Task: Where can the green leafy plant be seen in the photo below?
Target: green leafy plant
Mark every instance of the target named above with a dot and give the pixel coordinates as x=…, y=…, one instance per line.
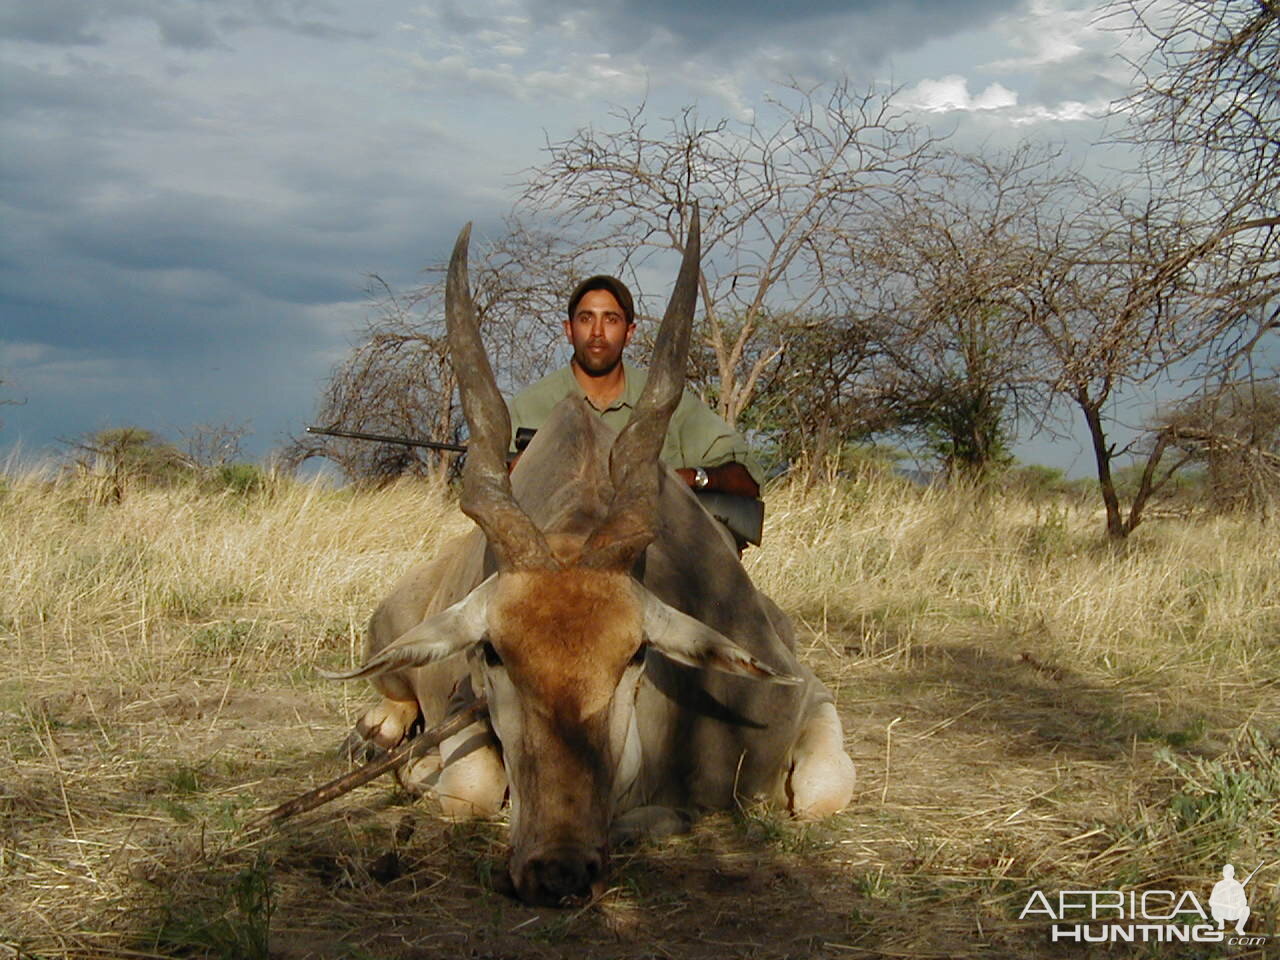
x=1231, y=799
x=234, y=926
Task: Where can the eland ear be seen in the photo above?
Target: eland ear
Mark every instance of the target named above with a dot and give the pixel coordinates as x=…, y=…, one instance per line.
x=687, y=640
x=450, y=631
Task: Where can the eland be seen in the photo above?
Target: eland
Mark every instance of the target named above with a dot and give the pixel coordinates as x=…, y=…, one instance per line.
x=633, y=673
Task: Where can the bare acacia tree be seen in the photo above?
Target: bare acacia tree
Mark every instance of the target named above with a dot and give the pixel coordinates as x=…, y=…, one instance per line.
x=1206, y=111
x=955, y=299
x=1127, y=300
x=1208, y=99
x=118, y=459
x=815, y=400
x=1188, y=277
x=398, y=379
x=782, y=199
x=1235, y=432
x=213, y=445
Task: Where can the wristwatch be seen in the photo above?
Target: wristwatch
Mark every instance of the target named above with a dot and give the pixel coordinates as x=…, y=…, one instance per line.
x=700, y=478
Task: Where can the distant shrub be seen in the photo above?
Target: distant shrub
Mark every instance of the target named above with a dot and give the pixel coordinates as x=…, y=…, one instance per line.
x=1188, y=487
x=108, y=464
x=241, y=479
x=862, y=462
x=1234, y=435
x=878, y=460
x=1035, y=481
x=118, y=458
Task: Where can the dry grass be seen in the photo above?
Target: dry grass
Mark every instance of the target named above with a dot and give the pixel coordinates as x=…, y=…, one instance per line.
x=1028, y=706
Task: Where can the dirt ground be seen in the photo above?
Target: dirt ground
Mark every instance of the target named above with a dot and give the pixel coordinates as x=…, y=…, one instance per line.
x=984, y=773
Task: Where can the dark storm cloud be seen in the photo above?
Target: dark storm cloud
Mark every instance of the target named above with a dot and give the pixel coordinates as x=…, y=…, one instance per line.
x=180, y=24
x=457, y=20
x=124, y=303
x=183, y=244
x=83, y=99
x=267, y=385
x=56, y=22
x=68, y=23
x=180, y=311
x=115, y=295
x=42, y=173
x=1089, y=75
x=158, y=269
x=868, y=30
x=224, y=237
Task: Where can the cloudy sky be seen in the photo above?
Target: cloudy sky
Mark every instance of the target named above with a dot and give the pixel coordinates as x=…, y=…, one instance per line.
x=195, y=191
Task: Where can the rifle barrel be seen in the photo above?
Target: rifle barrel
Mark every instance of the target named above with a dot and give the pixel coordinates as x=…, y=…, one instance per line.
x=384, y=438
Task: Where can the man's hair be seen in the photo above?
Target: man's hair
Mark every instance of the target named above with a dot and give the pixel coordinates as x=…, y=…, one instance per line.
x=604, y=282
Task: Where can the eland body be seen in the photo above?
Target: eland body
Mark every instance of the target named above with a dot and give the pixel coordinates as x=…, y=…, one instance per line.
x=632, y=670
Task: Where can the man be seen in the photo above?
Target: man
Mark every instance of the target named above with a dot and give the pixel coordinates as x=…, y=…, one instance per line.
x=706, y=452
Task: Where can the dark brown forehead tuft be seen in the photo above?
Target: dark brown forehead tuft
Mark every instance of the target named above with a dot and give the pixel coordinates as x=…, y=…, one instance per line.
x=567, y=634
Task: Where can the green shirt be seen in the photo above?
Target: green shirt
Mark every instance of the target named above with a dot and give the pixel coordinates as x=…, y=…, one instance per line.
x=696, y=437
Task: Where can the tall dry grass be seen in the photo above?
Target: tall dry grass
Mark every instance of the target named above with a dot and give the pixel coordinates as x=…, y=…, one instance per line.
x=132, y=585
x=1189, y=603
x=1029, y=706
x=180, y=579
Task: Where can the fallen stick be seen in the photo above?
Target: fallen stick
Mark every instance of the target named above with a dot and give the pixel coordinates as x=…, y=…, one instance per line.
x=398, y=757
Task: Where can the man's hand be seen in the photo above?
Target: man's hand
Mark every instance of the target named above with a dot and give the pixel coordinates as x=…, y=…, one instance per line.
x=729, y=477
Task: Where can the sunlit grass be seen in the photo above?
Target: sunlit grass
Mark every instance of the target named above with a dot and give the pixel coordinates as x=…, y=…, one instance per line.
x=1028, y=705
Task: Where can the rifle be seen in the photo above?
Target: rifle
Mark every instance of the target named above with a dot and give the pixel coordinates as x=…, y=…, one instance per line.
x=383, y=438
x=743, y=515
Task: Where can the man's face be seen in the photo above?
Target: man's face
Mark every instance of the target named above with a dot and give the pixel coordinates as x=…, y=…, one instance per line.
x=598, y=332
